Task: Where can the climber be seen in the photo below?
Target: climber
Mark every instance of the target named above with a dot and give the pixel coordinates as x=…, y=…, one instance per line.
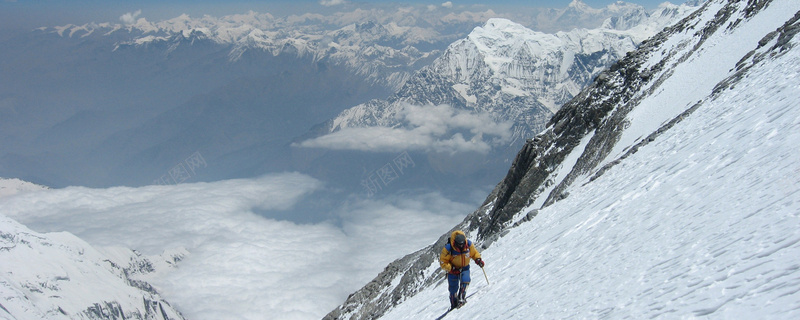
x=454, y=259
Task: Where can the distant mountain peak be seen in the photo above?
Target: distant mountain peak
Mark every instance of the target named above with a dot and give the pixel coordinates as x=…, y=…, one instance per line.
x=580, y=5
x=579, y=8
x=10, y=187
x=509, y=71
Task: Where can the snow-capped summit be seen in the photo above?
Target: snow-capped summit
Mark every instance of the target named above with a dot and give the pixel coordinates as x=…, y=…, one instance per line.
x=642, y=27
x=579, y=13
x=628, y=16
x=522, y=62
x=579, y=6
x=500, y=38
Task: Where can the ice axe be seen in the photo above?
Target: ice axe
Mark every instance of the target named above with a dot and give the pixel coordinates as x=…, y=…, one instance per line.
x=484, y=275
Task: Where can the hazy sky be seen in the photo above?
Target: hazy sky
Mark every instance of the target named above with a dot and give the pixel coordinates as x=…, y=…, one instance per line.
x=34, y=13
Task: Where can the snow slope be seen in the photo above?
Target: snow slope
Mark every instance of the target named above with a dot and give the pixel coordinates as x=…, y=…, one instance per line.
x=58, y=276
x=703, y=221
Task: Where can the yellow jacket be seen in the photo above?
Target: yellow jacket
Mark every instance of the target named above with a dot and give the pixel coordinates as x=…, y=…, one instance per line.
x=452, y=257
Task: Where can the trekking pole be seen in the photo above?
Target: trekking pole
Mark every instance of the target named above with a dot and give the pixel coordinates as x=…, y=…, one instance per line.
x=484, y=275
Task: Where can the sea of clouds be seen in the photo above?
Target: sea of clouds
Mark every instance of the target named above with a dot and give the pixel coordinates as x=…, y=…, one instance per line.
x=242, y=263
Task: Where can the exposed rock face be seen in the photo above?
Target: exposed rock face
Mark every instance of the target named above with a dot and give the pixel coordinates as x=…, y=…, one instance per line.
x=586, y=137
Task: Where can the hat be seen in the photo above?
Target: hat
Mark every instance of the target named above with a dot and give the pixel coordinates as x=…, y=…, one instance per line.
x=460, y=241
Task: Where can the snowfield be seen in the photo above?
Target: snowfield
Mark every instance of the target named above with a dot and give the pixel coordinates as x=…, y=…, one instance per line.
x=703, y=222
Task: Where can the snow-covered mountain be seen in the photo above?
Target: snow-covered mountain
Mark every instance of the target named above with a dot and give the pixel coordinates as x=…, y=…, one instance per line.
x=577, y=11
x=9, y=187
x=505, y=71
x=384, y=54
x=59, y=276
x=618, y=15
x=667, y=188
x=384, y=46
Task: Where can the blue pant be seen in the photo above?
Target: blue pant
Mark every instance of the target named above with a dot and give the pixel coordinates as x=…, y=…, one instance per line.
x=458, y=284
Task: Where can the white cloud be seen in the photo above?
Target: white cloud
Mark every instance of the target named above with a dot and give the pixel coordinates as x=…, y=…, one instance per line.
x=130, y=17
x=248, y=265
x=329, y=3
x=399, y=225
x=188, y=209
x=426, y=128
x=448, y=4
